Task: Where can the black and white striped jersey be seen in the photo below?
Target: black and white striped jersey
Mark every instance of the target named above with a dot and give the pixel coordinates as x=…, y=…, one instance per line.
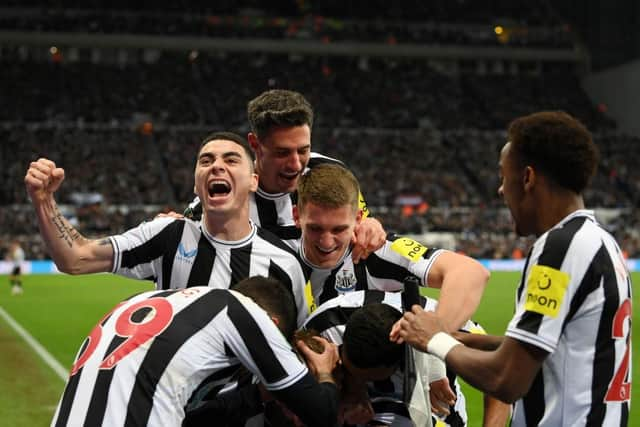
x=181, y=253
x=384, y=269
x=330, y=320
x=142, y=362
x=574, y=301
x=274, y=211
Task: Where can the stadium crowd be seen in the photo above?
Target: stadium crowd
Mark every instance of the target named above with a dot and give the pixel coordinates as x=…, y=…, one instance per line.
x=209, y=89
x=415, y=181
x=437, y=22
x=421, y=135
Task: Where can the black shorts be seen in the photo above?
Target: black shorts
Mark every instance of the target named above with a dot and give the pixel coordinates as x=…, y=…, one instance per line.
x=16, y=270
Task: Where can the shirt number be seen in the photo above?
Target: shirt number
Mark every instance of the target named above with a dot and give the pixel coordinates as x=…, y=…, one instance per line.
x=619, y=389
x=136, y=333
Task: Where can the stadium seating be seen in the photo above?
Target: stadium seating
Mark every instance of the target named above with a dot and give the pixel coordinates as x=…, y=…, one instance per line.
x=125, y=123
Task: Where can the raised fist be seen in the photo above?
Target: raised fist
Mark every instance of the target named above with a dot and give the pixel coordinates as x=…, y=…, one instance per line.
x=43, y=179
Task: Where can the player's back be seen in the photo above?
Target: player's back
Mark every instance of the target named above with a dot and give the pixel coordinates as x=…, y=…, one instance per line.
x=143, y=361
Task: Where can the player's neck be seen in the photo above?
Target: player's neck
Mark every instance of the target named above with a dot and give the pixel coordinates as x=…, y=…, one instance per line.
x=227, y=227
x=556, y=209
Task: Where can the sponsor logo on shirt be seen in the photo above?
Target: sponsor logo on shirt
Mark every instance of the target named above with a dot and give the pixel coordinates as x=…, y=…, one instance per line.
x=408, y=248
x=546, y=288
x=186, y=255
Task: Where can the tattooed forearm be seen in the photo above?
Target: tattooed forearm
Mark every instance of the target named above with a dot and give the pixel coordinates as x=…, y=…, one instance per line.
x=65, y=231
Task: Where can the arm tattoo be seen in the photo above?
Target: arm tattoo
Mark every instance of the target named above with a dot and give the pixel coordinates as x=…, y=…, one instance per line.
x=65, y=231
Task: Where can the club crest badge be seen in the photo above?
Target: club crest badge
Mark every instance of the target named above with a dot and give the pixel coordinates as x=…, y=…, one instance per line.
x=345, y=281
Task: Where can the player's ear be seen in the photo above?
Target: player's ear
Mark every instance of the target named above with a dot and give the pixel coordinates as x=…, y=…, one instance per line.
x=254, y=183
x=359, y=216
x=528, y=178
x=254, y=143
x=296, y=215
x=275, y=319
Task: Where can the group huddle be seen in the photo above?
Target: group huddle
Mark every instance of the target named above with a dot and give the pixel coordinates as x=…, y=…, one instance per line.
x=280, y=301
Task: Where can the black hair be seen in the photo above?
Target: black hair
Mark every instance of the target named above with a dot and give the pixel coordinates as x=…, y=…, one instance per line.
x=274, y=298
x=228, y=136
x=278, y=107
x=557, y=145
x=366, y=337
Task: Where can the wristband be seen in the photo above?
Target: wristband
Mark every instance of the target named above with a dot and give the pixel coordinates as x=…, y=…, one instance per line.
x=441, y=344
x=436, y=368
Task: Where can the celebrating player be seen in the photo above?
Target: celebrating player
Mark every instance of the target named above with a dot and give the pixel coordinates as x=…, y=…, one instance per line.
x=281, y=122
x=359, y=323
x=218, y=251
x=565, y=359
x=327, y=213
x=143, y=361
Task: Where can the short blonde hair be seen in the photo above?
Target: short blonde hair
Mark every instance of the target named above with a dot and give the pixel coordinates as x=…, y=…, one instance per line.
x=328, y=185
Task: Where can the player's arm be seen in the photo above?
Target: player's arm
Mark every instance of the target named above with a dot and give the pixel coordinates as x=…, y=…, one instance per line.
x=461, y=281
x=235, y=407
x=314, y=400
x=478, y=341
x=505, y=373
x=496, y=412
x=72, y=252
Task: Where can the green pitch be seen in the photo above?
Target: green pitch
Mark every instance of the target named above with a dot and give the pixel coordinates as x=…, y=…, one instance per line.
x=59, y=311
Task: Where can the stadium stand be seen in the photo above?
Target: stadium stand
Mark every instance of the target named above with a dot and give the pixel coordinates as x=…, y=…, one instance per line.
x=422, y=134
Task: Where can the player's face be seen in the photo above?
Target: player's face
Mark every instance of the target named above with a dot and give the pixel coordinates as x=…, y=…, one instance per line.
x=281, y=157
x=223, y=177
x=326, y=232
x=512, y=190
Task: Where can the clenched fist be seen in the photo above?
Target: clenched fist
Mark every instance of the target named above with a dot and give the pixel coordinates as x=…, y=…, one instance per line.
x=43, y=179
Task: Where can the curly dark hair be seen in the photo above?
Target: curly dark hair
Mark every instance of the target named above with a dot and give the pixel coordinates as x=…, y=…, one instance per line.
x=366, y=337
x=557, y=145
x=278, y=107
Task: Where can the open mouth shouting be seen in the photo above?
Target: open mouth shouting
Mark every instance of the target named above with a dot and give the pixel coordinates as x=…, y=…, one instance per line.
x=219, y=188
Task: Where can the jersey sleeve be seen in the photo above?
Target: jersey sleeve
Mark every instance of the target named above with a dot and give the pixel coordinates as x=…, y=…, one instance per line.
x=410, y=255
x=260, y=346
x=548, y=289
x=135, y=253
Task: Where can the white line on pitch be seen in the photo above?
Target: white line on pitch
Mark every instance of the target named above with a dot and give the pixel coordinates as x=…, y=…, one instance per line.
x=36, y=346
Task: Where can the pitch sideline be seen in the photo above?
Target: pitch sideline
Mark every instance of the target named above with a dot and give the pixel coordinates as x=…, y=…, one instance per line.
x=62, y=373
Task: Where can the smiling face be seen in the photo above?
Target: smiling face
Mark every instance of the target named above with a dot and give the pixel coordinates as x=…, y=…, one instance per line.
x=281, y=157
x=224, y=177
x=326, y=232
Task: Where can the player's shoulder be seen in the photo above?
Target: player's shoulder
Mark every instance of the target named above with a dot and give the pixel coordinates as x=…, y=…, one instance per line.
x=578, y=236
x=272, y=240
x=316, y=159
x=405, y=247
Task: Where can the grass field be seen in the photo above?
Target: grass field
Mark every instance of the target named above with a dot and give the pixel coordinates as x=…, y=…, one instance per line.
x=59, y=311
